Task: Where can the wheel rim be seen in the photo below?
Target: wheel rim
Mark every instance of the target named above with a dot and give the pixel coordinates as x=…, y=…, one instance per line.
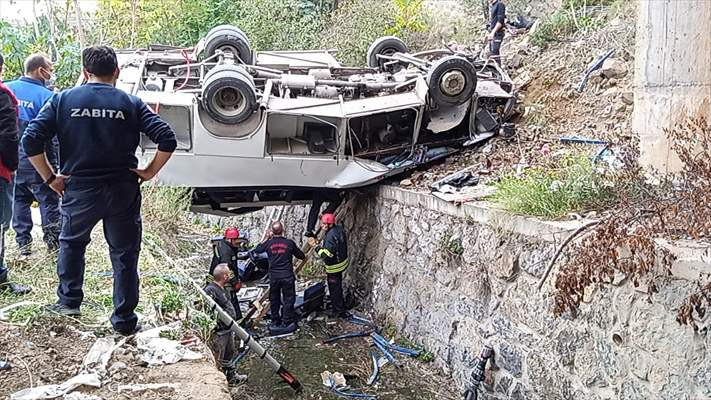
x=453, y=82
x=228, y=101
x=231, y=49
x=386, y=52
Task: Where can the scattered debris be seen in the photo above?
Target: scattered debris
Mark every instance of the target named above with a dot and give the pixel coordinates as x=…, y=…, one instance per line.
x=54, y=391
x=4, y=365
x=80, y=396
x=582, y=140
x=157, y=350
x=457, y=180
x=330, y=379
x=139, y=387
x=402, y=350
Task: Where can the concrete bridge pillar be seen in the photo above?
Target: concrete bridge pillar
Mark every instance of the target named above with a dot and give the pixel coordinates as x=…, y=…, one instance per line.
x=672, y=73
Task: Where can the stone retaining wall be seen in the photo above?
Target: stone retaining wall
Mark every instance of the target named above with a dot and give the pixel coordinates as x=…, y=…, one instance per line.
x=409, y=267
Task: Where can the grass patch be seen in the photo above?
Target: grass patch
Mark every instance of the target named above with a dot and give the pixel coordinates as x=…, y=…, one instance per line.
x=452, y=243
x=573, y=17
x=574, y=184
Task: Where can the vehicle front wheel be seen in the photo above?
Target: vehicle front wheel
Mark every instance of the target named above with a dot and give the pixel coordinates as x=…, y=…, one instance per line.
x=229, y=95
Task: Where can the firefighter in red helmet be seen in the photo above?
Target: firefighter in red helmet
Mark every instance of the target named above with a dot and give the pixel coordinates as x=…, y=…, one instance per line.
x=225, y=250
x=334, y=252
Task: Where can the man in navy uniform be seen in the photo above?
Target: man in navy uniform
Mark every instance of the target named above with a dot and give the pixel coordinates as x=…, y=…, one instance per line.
x=8, y=165
x=32, y=94
x=98, y=127
x=497, y=29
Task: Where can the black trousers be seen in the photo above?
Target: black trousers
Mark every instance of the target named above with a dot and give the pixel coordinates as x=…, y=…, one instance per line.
x=118, y=205
x=496, y=48
x=335, y=290
x=334, y=200
x=282, y=296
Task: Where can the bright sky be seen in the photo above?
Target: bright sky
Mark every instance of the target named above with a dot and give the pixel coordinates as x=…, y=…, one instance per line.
x=19, y=10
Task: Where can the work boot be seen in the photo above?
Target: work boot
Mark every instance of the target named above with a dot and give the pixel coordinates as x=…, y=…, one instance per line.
x=345, y=315
x=233, y=378
x=52, y=245
x=14, y=288
x=61, y=309
x=129, y=332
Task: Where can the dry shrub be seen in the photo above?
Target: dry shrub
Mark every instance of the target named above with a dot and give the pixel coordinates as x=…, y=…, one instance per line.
x=624, y=243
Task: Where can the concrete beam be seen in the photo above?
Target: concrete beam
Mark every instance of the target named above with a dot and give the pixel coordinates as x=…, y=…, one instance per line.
x=672, y=73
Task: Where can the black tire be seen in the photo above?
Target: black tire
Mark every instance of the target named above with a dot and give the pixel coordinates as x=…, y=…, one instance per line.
x=228, y=38
x=386, y=45
x=451, y=80
x=228, y=94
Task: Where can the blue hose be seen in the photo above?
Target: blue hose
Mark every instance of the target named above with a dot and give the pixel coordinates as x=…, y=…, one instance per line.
x=385, y=352
x=376, y=369
x=394, y=347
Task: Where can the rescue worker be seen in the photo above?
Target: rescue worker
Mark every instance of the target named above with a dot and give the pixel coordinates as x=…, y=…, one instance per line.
x=334, y=252
x=496, y=29
x=226, y=251
x=98, y=127
x=32, y=94
x=332, y=197
x=222, y=341
x=8, y=165
x=282, y=281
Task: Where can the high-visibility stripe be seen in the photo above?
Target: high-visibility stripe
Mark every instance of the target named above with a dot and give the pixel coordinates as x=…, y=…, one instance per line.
x=332, y=269
x=324, y=251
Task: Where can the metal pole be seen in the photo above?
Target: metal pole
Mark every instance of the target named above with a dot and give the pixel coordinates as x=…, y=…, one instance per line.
x=249, y=341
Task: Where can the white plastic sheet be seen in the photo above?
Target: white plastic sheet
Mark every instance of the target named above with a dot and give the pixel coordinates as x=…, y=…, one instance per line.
x=156, y=350
x=54, y=391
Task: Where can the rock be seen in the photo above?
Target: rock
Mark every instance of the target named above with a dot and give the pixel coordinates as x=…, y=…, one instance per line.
x=117, y=367
x=610, y=92
x=507, y=267
x=521, y=393
x=628, y=97
x=510, y=359
x=631, y=390
x=613, y=68
x=621, y=108
x=502, y=386
x=516, y=61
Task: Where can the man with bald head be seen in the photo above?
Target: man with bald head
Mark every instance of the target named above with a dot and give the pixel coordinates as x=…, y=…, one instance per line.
x=282, y=281
x=223, y=340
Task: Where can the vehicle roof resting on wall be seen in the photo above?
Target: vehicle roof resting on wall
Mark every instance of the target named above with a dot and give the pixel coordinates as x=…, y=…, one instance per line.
x=273, y=127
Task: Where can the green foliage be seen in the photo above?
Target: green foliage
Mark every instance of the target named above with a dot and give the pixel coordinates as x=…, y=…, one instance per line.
x=352, y=27
x=452, y=243
x=408, y=18
x=17, y=42
x=269, y=24
x=201, y=323
x=27, y=315
x=573, y=17
x=575, y=184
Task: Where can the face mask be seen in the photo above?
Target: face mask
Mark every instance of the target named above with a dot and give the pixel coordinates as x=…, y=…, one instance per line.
x=50, y=80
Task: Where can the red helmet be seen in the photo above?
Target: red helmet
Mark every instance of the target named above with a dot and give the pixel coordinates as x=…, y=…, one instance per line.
x=231, y=233
x=328, y=218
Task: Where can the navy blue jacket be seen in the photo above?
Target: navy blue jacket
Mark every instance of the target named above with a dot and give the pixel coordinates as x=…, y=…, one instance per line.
x=98, y=127
x=31, y=96
x=280, y=251
x=498, y=14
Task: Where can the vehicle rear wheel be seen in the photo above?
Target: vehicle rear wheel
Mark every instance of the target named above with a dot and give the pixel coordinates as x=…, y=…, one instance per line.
x=387, y=46
x=229, y=95
x=451, y=80
x=228, y=38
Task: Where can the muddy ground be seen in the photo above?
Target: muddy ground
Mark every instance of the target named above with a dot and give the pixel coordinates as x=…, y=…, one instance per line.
x=307, y=357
